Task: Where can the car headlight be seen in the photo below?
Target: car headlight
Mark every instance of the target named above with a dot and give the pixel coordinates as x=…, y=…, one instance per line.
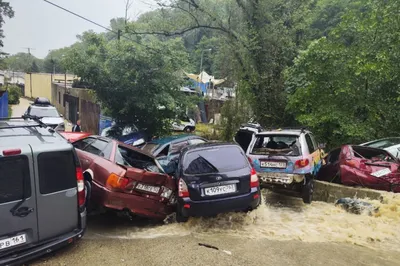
x=138, y=142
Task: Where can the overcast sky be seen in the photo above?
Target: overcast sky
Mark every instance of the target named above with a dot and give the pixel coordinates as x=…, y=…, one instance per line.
x=41, y=26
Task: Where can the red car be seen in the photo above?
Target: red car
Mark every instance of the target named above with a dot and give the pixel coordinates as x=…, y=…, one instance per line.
x=124, y=178
x=362, y=166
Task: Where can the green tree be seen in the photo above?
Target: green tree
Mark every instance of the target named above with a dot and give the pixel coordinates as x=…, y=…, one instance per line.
x=34, y=67
x=136, y=83
x=6, y=11
x=346, y=86
x=22, y=62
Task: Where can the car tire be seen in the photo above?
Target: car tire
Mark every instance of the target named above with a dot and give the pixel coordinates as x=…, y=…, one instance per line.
x=308, y=191
x=180, y=218
x=187, y=129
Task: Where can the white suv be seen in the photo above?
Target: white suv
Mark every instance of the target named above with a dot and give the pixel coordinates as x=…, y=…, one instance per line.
x=47, y=113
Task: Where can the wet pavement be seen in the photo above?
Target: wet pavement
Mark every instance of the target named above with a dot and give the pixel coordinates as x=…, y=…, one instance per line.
x=283, y=231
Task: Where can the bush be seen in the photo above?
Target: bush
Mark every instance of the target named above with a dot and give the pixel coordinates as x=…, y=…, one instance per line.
x=14, y=93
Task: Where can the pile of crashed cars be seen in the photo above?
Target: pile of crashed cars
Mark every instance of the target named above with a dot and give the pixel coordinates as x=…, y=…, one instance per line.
x=374, y=164
x=190, y=176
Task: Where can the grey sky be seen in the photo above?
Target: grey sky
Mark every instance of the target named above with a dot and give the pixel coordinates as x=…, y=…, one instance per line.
x=41, y=26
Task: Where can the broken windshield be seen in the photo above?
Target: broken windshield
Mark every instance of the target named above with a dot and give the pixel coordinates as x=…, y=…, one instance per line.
x=288, y=145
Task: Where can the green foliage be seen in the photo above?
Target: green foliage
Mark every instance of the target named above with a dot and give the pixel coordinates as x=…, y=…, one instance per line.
x=133, y=81
x=23, y=62
x=14, y=93
x=346, y=86
x=5, y=11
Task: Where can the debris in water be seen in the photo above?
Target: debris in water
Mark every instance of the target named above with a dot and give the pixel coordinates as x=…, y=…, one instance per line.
x=208, y=246
x=356, y=206
x=216, y=248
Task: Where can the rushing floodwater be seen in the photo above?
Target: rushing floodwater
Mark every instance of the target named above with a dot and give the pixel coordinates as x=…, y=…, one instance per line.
x=280, y=218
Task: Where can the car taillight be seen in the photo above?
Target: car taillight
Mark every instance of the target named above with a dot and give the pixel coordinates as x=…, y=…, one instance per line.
x=81, y=186
x=116, y=182
x=254, y=182
x=302, y=163
x=183, y=190
x=11, y=152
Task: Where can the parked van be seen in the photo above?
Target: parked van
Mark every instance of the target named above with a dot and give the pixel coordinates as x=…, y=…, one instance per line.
x=42, y=191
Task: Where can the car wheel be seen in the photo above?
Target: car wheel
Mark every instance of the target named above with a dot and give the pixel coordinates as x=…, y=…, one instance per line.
x=187, y=129
x=308, y=191
x=180, y=218
x=88, y=194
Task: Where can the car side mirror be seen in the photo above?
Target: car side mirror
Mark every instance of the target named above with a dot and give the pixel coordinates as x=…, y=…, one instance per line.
x=61, y=115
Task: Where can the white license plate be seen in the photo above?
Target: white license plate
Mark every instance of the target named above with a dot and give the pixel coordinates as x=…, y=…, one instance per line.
x=212, y=191
x=382, y=172
x=12, y=241
x=272, y=164
x=148, y=188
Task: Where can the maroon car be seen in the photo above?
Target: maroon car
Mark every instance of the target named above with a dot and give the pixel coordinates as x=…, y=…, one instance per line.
x=362, y=166
x=124, y=178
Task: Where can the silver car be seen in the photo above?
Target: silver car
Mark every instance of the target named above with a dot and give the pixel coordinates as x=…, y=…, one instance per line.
x=42, y=191
x=391, y=145
x=47, y=113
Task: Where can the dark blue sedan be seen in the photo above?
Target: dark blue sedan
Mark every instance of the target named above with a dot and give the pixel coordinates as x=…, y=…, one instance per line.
x=128, y=134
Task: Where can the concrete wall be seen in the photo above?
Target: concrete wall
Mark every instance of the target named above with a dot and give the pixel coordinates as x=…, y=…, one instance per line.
x=330, y=192
x=40, y=84
x=87, y=109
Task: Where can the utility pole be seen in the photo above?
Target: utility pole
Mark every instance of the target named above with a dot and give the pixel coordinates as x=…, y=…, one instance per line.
x=29, y=49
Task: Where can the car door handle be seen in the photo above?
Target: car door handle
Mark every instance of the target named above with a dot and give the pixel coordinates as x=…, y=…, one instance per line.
x=23, y=211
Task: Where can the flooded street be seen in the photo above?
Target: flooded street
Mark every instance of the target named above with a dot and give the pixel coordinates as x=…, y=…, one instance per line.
x=283, y=231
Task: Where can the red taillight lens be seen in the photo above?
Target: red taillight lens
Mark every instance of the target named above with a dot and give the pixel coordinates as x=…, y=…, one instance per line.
x=116, y=182
x=183, y=191
x=81, y=186
x=11, y=152
x=254, y=182
x=302, y=163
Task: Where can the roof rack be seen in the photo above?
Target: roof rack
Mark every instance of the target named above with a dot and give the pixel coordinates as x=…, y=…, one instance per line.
x=302, y=129
x=25, y=117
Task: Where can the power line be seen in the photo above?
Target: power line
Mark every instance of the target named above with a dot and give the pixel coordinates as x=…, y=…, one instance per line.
x=118, y=33
x=79, y=16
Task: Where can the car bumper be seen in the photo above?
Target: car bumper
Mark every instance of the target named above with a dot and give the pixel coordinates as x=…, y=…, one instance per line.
x=41, y=249
x=213, y=207
x=271, y=178
x=135, y=204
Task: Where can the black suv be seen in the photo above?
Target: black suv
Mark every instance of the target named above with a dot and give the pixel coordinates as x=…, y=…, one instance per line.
x=42, y=191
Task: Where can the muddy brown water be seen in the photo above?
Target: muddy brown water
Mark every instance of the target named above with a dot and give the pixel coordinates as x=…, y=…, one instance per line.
x=280, y=218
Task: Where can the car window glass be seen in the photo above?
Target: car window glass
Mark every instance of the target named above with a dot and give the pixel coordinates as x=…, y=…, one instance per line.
x=44, y=112
x=313, y=140
x=164, y=151
x=81, y=144
x=14, y=178
x=97, y=147
x=57, y=171
x=132, y=158
x=196, y=141
x=206, y=161
x=310, y=144
x=176, y=147
x=288, y=145
x=334, y=156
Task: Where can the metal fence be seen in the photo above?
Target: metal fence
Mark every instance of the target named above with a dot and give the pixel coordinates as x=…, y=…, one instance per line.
x=3, y=104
